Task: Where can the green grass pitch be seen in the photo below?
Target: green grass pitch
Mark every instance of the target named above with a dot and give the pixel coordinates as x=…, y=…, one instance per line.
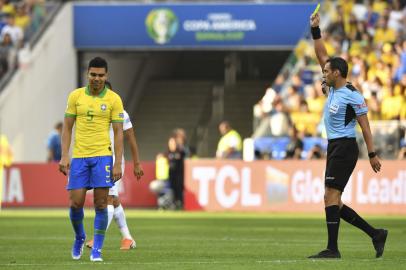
x=41, y=239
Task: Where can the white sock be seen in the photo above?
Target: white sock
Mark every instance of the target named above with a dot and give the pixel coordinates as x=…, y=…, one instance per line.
x=119, y=217
x=110, y=212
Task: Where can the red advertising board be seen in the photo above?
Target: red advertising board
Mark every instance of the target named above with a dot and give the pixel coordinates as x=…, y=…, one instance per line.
x=42, y=185
x=213, y=185
x=290, y=186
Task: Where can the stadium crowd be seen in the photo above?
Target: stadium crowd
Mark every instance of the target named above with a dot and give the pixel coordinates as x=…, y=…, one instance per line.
x=371, y=36
x=19, y=19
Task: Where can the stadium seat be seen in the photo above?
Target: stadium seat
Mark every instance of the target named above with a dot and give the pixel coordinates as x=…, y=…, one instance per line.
x=279, y=147
x=275, y=146
x=310, y=142
x=403, y=142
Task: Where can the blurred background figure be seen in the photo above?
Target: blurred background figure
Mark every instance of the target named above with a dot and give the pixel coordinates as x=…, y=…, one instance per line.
x=8, y=54
x=263, y=109
x=316, y=152
x=6, y=158
x=230, y=144
x=295, y=146
x=176, y=157
x=402, y=150
x=402, y=153
x=15, y=31
x=161, y=185
x=276, y=122
x=181, y=140
x=54, y=144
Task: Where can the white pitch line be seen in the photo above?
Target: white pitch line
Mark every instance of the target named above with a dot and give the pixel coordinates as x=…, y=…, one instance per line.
x=119, y=263
x=288, y=261
x=219, y=239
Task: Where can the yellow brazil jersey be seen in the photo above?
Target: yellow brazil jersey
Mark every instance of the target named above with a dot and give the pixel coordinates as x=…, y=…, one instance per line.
x=93, y=117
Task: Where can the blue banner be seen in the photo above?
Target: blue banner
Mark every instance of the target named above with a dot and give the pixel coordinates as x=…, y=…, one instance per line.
x=190, y=26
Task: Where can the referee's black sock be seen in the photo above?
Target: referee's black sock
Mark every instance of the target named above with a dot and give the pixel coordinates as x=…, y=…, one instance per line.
x=353, y=218
x=333, y=224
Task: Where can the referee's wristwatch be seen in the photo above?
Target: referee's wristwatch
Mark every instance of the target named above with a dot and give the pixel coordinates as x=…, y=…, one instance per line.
x=372, y=154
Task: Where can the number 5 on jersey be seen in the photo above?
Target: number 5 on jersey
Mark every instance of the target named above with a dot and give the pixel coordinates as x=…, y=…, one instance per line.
x=90, y=115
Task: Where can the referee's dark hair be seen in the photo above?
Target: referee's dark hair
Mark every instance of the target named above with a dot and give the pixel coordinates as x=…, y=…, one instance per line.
x=98, y=62
x=338, y=63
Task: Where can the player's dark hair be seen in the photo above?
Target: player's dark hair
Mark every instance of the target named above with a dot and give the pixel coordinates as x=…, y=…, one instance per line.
x=338, y=63
x=98, y=62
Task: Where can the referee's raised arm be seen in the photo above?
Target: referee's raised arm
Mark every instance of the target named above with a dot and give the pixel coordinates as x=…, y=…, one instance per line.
x=319, y=48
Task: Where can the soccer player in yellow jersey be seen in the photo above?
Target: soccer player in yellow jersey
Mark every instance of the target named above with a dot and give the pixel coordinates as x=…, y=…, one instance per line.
x=92, y=109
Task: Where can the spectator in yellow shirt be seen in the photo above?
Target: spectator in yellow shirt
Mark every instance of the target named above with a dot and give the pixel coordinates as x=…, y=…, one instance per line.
x=314, y=99
x=22, y=19
x=230, y=144
x=389, y=55
x=374, y=107
x=392, y=105
x=383, y=33
x=7, y=7
x=379, y=6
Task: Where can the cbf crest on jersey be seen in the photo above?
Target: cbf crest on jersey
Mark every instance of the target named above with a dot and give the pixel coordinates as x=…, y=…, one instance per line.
x=103, y=107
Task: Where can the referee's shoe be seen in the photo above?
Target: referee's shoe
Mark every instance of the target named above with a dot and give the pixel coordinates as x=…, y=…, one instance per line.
x=326, y=254
x=379, y=241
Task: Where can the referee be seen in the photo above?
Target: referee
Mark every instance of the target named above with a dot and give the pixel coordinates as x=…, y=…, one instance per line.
x=344, y=105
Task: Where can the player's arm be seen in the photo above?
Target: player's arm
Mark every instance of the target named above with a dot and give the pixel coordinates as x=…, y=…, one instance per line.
x=130, y=137
x=66, y=137
x=319, y=47
x=118, y=150
x=366, y=132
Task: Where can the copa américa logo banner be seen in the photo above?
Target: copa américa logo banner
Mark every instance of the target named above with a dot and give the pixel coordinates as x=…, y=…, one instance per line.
x=289, y=186
x=190, y=26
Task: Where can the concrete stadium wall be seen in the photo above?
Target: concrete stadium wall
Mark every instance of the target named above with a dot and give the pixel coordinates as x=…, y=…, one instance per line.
x=35, y=98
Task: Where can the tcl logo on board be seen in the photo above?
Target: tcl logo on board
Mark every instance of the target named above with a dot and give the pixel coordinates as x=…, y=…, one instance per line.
x=237, y=182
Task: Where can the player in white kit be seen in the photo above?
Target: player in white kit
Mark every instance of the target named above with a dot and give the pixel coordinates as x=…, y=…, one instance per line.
x=114, y=207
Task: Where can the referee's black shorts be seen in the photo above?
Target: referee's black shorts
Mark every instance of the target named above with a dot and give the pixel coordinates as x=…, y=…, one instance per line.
x=342, y=156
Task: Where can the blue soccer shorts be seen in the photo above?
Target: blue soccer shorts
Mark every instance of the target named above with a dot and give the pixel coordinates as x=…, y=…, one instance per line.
x=91, y=172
